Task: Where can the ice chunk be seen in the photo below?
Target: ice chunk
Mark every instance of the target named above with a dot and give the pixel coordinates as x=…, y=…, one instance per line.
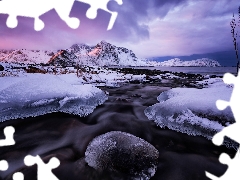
x=124, y=153
x=39, y=94
x=193, y=111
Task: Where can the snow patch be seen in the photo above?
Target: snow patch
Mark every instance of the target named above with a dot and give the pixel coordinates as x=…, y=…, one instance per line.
x=193, y=111
x=40, y=94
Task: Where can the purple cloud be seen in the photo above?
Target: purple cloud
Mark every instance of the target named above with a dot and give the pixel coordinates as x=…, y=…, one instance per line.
x=149, y=28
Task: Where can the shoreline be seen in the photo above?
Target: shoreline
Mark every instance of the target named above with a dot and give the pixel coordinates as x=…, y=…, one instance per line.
x=66, y=137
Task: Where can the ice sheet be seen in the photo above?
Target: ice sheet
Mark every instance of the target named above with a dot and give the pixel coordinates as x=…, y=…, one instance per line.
x=39, y=94
x=193, y=111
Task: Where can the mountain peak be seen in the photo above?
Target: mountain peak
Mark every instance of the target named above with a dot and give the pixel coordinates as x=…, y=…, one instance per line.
x=205, y=62
x=104, y=42
x=102, y=54
x=78, y=45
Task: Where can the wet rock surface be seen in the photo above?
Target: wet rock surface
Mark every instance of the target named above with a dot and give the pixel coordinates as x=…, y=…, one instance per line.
x=1, y=68
x=123, y=153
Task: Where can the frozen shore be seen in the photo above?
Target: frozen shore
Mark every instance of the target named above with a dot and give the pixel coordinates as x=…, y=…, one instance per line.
x=66, y=136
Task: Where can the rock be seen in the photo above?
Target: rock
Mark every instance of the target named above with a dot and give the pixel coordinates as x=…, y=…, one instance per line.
x=1, y=68
x=121, y=152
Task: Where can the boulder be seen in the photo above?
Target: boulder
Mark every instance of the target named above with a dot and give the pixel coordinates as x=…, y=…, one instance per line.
x=121, y=152
x=1, y=68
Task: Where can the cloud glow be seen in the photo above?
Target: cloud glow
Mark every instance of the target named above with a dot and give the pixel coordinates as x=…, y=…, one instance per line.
x=149, y=28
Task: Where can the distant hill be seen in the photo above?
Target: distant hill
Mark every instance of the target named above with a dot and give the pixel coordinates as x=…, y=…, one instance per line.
x=25, y=56
x=225, y=58
x=204, y=62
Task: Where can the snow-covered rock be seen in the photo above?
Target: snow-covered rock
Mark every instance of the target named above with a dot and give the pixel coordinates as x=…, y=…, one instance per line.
x=193, y=111
x=39, y=94
x=26, y=56
x=103, y=54
x=122, y=152
x=204, y=62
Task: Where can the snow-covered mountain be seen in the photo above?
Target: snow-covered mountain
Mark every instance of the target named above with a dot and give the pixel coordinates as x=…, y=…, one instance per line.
x=103, y=54
x=204, y=62
x=25, y=56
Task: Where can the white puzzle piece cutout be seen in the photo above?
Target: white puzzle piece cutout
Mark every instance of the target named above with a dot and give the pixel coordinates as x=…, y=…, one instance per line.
x=18, y=176
x=36, y=8
x=8, y=141
x=101, y=4
x=8, y=132
x=44, y=170
x=233, y=172
x=232, y=131
x=3, y=165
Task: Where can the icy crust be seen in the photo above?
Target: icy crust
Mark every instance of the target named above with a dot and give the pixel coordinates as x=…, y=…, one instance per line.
x=41, y=94
x=193, y=111
x=123, y=153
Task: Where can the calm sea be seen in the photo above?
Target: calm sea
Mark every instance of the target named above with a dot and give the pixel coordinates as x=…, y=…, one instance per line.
x=197, y=70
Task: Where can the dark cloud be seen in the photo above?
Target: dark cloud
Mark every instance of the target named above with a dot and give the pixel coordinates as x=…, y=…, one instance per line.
x=149, y=27
x=134, y=17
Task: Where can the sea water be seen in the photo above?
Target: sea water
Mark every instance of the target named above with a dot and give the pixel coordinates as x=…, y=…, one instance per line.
x=220, y=71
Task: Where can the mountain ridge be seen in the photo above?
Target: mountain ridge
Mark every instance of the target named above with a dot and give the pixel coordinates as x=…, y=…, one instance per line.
x=102, y=54
x=203, y=62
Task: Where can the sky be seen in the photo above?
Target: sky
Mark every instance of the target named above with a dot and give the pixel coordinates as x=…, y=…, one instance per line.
x=151, y=28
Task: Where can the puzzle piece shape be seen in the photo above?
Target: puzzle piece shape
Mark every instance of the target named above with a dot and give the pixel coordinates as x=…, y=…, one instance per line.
x=234, y=100
x=8, y=132
x=232, y=131
x=36, y=8
x=44, y=170
x=3, y=165
x=18, y=176
x=8, y=141
x=101, y=4
x=233, y=172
